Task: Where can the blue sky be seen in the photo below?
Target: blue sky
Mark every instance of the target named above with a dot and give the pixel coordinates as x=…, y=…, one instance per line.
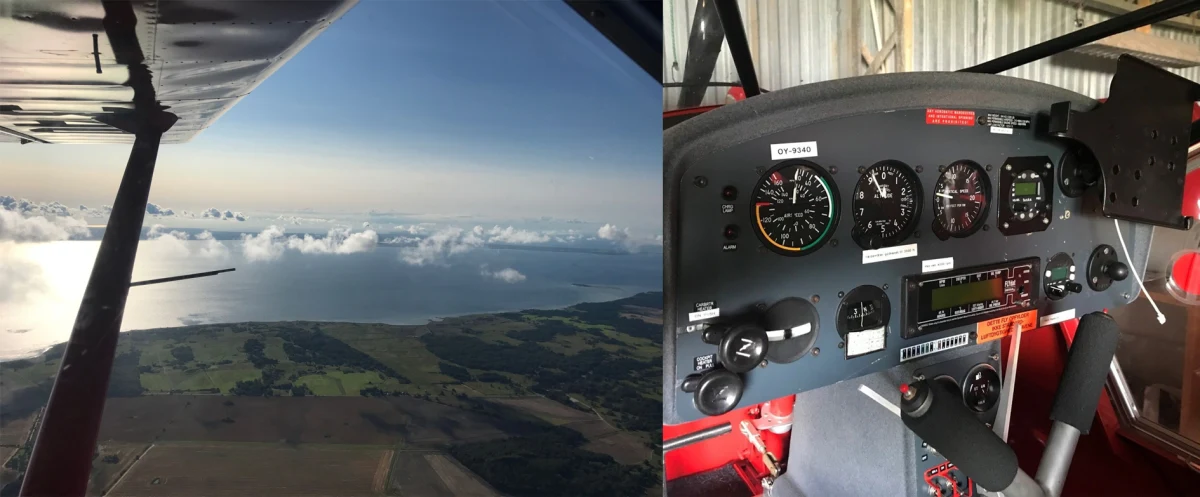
x=495, y=110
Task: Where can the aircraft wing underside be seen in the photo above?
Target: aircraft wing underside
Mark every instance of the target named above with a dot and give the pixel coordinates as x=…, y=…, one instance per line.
x=66, y=65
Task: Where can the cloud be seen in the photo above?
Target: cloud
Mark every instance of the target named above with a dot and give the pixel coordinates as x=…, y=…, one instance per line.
x=611, y=232
x=265, y=246
x=176, y=242
x=271, y=244
x=295, y=220
x=212, y=212
x=19, y=278
x=156, y=210
x=18, y=227
x=173, y=241
x=416, y=229
x=435, y=248
x=29, y=209
x=626, y=238
x=507, y=275
x=515, y=236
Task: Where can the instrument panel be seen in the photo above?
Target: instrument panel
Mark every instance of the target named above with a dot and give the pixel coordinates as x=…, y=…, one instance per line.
x=883, y=219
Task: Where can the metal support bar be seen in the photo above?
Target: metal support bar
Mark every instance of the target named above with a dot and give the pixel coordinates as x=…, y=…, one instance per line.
x=696, y=436
x=1056, y=460
x=181, y=277
x=739, y=48
x=1146, y=15
x=62, y=455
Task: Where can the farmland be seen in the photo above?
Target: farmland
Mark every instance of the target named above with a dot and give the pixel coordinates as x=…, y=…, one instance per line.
x=266, y=470
x=514, y=403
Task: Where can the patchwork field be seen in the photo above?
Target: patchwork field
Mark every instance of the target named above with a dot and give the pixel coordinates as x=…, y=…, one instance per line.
x=242, y=470
x=471, y=406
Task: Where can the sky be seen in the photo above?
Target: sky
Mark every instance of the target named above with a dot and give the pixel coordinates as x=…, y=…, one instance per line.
x=477, y=113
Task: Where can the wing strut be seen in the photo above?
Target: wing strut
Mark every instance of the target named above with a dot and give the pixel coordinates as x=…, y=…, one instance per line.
x=62, y=454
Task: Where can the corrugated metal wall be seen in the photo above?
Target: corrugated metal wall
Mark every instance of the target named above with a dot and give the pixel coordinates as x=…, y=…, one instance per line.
x=798, y=41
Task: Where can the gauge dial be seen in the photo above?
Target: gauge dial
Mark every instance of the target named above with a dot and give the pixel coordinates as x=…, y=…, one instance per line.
x=886, y=205
x=961, y=199
x=795, y=208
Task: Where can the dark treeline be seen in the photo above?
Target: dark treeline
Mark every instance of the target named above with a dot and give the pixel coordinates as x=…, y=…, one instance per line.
x=316, y=348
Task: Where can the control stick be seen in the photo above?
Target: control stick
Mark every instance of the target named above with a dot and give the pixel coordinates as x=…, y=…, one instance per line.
x=939, y=417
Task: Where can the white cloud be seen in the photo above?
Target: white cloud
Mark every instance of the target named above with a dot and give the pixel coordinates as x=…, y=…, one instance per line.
x=435, y=248
x=271, y=244
x=626, y=238
x=265, y=246
x=515, y=236
x=611, y=232
x=174, y=242
x=157, y=210
x=18, y=227
x=19, y=278
x=296, y=220
x=177, y=243
x=239, y=216
x=507, y=275
x=337, y=241
x=212, y=212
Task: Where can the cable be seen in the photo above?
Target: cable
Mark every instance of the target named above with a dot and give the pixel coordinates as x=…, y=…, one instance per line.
x=1125, y=250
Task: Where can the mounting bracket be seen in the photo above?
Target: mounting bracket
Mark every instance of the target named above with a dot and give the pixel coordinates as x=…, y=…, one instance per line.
x=1139, y=138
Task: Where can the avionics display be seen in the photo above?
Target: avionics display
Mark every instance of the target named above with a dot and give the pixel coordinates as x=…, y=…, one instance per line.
x=1025, y=188
x=958, y=295
x=1059, y=273
x=942, y=301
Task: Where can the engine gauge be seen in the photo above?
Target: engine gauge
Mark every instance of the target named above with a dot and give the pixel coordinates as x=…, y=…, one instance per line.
x=795, y=208
x=886, y=205
x=961, y=199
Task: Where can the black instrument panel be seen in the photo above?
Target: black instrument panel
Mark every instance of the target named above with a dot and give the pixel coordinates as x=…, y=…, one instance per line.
x=909, y=192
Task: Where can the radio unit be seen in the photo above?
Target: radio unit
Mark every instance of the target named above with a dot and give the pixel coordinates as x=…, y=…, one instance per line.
x=941, y=301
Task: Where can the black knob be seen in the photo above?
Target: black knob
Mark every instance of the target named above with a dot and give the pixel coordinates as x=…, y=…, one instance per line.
x=742, y=348
x=1118, y=271
x=691, y=383
x=1073, y=287
x=718, y=392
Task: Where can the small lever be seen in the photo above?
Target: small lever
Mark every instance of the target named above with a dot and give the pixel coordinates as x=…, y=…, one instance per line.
x=768, y=458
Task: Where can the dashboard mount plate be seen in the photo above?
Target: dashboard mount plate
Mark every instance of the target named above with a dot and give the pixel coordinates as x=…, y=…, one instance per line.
x=1140, y=139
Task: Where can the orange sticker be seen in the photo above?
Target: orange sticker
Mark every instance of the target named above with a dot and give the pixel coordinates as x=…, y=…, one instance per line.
x=995, y=329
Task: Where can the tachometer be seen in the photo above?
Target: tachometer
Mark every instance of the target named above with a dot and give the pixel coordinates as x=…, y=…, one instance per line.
x=886, y=205
x=961, y=199
x=795, y=208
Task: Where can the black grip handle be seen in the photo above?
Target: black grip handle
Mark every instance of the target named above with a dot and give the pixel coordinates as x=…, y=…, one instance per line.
x=936, y=413
x=1086, y=371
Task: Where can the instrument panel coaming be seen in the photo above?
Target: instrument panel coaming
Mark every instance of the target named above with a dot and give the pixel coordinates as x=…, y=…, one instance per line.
x=741, y=281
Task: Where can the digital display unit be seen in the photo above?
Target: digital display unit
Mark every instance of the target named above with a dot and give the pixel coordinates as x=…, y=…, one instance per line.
x=943, y=301
x=1059, y=273
x=1023, y=189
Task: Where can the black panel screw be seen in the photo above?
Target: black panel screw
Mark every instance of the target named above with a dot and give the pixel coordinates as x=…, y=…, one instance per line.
x=833, y=170
x=701, y=181
x=986, y=227
x=841, y=294
x=833, y=242
x=816, y=352
x=759, y=170
x=941, y=169
x=861, y=169
x=920, y=169
x=841, y=345
x=988, y=168
x=916, y=234
x=816, y=298
x=885, y=286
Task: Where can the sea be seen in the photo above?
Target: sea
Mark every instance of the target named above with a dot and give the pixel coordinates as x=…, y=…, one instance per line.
x=41, y=286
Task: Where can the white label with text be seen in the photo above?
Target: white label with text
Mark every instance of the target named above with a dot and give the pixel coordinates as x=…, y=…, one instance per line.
x=865, y=341
x=705, y=314
x=1057, y=317
x=889, y=253
x=933, y=265
x=1002, y=131
x=797, y=150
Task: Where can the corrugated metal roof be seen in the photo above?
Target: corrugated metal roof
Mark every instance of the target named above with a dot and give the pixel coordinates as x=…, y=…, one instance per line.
x=797, y=40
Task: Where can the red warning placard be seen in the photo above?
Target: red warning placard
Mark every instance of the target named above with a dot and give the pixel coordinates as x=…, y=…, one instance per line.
x=995, y=329
x=950, y=117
